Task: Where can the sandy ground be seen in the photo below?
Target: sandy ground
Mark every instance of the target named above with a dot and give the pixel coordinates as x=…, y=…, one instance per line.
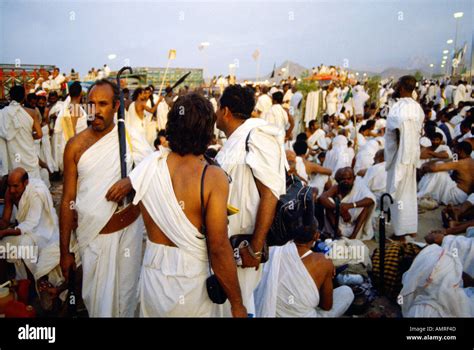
x=381, y=306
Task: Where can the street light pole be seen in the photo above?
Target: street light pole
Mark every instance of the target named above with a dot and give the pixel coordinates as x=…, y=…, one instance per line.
x=457, y=16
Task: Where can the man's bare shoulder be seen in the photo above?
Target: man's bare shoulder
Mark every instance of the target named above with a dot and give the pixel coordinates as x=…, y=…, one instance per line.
x=320, y=264
x=32, y=112
x=79, y=143
x=216, y=177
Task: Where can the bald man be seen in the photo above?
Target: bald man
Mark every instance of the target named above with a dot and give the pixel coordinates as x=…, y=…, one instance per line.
x=356, y=208
x=33, y=245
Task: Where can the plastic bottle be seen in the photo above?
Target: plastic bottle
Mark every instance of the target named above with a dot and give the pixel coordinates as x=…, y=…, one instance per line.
x=350, y=279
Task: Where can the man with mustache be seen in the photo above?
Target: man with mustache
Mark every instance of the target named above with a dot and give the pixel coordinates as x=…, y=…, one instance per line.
x=110, y=240
x=356, y=208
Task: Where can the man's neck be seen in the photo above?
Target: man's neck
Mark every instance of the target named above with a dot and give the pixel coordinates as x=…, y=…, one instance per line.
x=234, y=126
x=100, y=134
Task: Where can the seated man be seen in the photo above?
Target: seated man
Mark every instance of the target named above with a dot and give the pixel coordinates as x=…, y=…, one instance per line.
x=312, y=173
x=437, y=184
x=356, y=209
x=36, y=238
x=375, y=177
x=436, y=151
x=297, y=282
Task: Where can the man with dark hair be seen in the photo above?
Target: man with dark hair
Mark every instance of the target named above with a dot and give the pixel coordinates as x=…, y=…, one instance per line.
x=19, y=127
x=436, y=151
x=402, y=153
x=186, y=219
x=440, y=186
x=357, y=204
x=278, y=116
x=31, y=100
x=110, y=240
x=253, y=156
x=264, y=102
x=71, y=120
x=139, y=117
x=317, y=136
x=298, y=282
x=312, y=173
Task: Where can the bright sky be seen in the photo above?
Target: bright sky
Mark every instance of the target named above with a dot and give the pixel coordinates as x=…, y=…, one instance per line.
x=369, y=35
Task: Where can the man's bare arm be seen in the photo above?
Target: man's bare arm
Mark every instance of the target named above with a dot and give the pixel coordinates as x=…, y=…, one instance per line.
x=318, y=169
x=436, y=167
x=326, y=289
x=67, y=208
x=292, y=125
x=324, y=198
x=37, y=132
x=265, y=214
x=440, y=155
x=7, y=211
x=220, y=250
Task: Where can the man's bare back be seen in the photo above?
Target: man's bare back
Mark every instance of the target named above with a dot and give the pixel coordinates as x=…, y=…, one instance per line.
x=186, y=180
x=463, y=174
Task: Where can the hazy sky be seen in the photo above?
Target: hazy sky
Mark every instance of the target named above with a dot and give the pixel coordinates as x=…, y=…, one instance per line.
x=370, y=35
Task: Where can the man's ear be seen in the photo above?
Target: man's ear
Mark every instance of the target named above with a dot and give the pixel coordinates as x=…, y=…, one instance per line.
x=117, y=105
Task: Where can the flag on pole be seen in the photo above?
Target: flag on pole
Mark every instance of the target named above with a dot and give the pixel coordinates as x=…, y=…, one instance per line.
x=256, y=54
x=273, y=71
x=172, y=54
x=348, y=95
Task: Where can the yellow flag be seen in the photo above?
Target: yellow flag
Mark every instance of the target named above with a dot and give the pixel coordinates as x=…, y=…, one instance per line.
x=172, y=54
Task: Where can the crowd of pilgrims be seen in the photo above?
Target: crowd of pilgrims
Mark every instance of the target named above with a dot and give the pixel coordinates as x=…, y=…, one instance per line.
x=332, y=140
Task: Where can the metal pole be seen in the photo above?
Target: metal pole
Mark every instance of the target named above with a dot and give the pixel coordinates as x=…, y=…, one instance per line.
x=455, y=47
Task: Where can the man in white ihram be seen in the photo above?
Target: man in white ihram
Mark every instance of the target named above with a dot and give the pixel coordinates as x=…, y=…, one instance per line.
x=110, y=240
x=402, y=153
x=258, y=179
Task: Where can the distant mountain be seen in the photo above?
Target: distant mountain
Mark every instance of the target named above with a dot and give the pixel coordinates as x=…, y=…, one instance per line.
x=295, y=69
x=399, y=72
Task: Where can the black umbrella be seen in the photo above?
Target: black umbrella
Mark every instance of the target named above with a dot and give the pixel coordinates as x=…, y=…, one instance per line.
x=121, y=126
x=382, y=222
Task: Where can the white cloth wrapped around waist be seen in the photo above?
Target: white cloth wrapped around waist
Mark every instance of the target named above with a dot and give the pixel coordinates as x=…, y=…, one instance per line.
x=441, y=188
x=173, y=284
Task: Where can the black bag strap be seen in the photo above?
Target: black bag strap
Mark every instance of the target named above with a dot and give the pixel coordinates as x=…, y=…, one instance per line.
x=203, y=209
x=203, y=217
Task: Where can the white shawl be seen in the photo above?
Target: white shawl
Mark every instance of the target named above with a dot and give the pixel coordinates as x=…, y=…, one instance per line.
x=266, y=158
x=16, y=126
x=433, y=286
x=152, y=182
x=98, y=169
x=286, y=289
x=407, y=116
